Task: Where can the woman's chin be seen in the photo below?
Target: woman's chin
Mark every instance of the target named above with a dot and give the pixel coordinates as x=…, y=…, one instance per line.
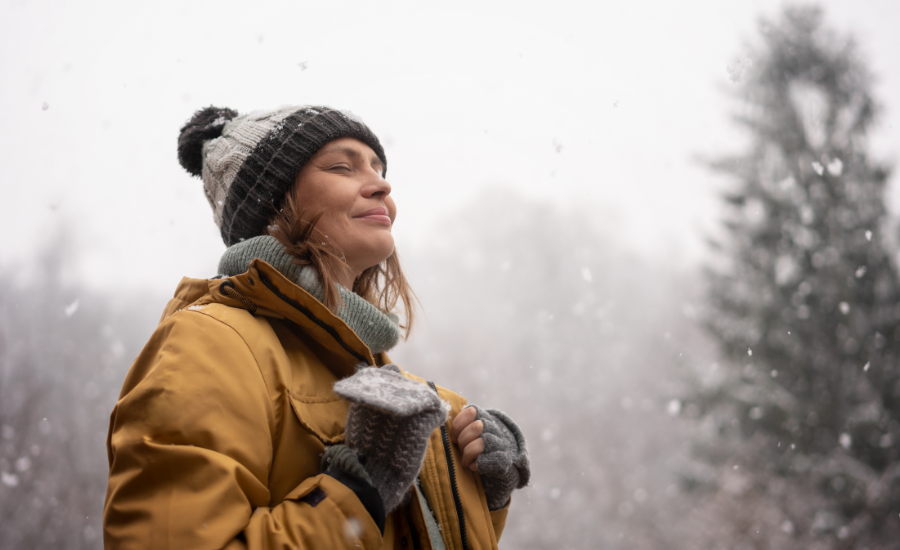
x=375, y=253
x=384, y=245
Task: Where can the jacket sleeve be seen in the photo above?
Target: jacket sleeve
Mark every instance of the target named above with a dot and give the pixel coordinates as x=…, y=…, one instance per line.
x=190, y=447
x=498, y=519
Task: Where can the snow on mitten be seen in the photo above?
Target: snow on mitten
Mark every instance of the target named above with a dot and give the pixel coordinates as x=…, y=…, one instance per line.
x=503, y=464
x=388, y=426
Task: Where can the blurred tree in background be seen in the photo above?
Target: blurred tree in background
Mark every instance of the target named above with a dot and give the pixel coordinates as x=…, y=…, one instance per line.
x=534, y=309
x=64, y=352
x=803, y=419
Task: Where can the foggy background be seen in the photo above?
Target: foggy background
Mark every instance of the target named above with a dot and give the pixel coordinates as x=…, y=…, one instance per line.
x=559, y=173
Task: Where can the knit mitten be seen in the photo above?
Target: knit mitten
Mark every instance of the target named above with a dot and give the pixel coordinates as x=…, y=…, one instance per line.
x=341, y=463
x=341, y=457
x=503, y=464
x=388, y=426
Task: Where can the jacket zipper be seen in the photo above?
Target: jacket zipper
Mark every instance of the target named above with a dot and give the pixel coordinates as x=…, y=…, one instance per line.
x=456, y=500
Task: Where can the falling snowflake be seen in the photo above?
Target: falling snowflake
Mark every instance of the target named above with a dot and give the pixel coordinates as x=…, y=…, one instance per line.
x=868, y=235
x=866, y=366
x=860, y=271
x=10, y=480
x=674, y=407
x=44, y=106
x=353, y=528
x=844, y=307
x=302, y=65
x=586, y=274
x=749, y=352
x=71, y=309
x=835, y=167
x=845, y=440
x=817, y=166
x=737, y=68
x=23, y=464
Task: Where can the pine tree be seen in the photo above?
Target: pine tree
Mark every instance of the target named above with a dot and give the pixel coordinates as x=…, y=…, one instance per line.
x=804, y=301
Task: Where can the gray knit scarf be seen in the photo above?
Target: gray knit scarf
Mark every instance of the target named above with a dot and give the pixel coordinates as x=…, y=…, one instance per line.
x=378, y=330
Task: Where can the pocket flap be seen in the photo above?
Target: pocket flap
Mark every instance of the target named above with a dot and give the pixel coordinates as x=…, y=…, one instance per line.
x=325, y=417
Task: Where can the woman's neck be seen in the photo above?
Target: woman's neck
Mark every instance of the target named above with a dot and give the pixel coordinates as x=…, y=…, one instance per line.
x=345, y=275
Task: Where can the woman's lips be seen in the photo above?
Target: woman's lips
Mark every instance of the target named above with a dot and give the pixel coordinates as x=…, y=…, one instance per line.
x=377, y=215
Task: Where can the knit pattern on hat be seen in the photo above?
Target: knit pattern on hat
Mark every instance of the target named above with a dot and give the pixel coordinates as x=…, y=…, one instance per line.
x=390, y=420
x=250, y=162
x=504, y=464
x=380, y=331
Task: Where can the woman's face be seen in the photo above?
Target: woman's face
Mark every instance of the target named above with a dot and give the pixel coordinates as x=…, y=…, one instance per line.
x=343, y=180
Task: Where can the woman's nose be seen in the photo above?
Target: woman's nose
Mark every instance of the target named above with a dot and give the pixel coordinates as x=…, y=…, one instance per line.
x=376, y=185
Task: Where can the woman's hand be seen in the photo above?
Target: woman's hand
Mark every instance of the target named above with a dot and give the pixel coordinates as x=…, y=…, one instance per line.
x=466, y=433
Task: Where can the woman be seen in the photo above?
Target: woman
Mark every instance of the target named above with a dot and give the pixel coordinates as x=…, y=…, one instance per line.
x=264, y=411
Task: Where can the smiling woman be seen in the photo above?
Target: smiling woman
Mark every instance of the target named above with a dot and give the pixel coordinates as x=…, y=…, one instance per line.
x=342, y=193
x=345, y=180
x=264, y=411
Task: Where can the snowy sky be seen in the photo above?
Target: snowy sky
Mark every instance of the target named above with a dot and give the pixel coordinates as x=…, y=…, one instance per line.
x=601, y=104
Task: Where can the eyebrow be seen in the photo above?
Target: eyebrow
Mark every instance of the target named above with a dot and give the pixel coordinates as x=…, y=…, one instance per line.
x=350, y=152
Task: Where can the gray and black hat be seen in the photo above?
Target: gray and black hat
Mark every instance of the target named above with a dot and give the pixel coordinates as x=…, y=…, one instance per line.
x=249, y=162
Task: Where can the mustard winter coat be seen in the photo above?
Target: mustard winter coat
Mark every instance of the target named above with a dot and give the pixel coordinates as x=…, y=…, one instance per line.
x=217, y=436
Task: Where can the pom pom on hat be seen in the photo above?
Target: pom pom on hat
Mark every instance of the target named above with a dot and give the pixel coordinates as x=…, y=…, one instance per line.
x=206, y=124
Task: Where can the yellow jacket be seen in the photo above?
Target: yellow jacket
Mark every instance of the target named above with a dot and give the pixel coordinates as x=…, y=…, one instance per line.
x=217, y=436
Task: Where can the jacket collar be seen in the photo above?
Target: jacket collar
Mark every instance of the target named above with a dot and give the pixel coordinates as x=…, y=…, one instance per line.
x=263, y=290
x=377, y=329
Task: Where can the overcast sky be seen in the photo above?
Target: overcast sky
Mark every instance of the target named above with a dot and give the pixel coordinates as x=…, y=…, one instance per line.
x=600, y=104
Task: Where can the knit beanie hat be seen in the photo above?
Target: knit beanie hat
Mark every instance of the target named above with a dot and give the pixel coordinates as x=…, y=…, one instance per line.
x=248, y=163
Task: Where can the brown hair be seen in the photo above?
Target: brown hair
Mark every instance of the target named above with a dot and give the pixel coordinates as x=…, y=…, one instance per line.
x=382, y=285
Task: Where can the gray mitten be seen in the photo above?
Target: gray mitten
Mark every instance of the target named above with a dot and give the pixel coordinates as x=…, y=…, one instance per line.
x=388, y=426
x=503, y=464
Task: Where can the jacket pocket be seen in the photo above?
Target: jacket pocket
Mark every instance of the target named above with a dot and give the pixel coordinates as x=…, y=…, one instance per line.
x=324, y=417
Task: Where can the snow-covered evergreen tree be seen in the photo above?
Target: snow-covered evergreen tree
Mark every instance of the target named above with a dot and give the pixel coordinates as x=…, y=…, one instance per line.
x=804, y=415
